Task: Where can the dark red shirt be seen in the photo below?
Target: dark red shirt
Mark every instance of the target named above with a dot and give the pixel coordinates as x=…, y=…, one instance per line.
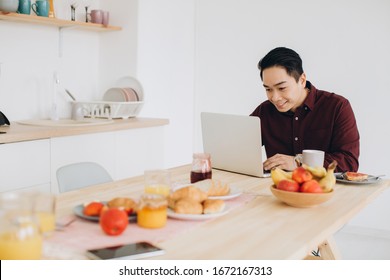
x=325, y=121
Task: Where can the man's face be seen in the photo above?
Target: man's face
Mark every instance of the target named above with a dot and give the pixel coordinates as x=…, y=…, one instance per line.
x=282, y=90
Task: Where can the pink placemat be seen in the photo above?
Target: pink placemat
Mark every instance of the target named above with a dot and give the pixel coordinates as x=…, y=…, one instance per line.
x=83, y=235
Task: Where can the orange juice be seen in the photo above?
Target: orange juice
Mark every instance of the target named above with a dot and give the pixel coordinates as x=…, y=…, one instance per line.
x=158, y=189
x=46, y=222
x=152, y=217
x=14, y=247
x=152, y=211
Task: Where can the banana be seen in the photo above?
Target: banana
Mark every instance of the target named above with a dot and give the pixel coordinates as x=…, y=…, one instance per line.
x=278, y=174
x=318, y=171
x=329, y=180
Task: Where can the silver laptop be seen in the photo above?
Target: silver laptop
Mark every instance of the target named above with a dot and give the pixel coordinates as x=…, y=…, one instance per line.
x=234, y=143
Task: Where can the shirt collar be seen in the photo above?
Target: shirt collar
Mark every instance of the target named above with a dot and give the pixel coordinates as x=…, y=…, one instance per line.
x=311, y=97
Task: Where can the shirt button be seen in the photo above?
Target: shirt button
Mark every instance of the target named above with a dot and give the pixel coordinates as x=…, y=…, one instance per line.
x=296, y=138
x=296, y=118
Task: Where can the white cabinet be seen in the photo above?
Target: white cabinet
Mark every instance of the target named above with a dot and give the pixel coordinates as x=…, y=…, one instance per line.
x=25, y=165
x=137, y=150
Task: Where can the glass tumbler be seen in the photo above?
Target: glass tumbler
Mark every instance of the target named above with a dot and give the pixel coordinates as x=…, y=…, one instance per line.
x=157, y=181
x=20, y=237
x=201, y=167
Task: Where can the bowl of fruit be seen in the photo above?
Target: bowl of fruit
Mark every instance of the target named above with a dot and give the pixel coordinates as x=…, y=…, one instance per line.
x=305, y=186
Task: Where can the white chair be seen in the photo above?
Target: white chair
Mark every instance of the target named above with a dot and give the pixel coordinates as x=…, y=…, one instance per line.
x=82, y=174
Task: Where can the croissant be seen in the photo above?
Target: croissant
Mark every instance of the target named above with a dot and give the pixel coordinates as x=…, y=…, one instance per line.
x=127, y=204
x=189, y=192
x=188, y=206
x=211, y=206
x=213, y=187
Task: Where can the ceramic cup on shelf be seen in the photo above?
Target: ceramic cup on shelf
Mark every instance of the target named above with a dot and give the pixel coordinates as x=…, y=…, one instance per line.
x=105, y=18
x=9, y=5
x=41, y=8
x=97, y=16
x=24, y=7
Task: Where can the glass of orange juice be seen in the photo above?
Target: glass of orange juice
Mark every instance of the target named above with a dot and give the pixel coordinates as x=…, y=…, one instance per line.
x=44, y=207
x=152, y=211
x=20, y=237
x=157, y=181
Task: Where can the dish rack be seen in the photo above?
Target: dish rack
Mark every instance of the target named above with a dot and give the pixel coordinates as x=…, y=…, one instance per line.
x=109, y=109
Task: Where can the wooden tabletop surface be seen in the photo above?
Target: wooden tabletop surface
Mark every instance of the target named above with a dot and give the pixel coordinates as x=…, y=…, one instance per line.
x=264, y=228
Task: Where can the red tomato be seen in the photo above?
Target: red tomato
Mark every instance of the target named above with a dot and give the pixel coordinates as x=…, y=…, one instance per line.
x=93, y=209
x=288, y=185
x=113, y=221
x=311, y=186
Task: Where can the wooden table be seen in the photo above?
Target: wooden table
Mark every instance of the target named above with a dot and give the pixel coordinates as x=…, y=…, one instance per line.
x=263, y=228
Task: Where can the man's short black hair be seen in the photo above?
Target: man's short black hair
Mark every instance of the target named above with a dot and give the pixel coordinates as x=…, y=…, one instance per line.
x=283, y=57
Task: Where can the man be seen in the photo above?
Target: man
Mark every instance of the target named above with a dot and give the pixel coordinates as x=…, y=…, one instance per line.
x=298, y=116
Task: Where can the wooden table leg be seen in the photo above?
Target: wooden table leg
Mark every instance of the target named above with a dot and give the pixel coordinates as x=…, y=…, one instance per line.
x=328, y=251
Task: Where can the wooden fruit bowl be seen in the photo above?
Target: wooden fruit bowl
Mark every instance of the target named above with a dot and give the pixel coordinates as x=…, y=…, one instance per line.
x=300, y=199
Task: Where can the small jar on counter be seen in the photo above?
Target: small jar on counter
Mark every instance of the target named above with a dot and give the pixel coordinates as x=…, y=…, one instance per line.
x=152, y=211
x=201, y=167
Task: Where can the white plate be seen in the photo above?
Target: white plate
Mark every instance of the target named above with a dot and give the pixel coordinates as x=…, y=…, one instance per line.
x=78, y=210
x=370, y=180
x=234, y=192
x=195, y=217
x=130, y=82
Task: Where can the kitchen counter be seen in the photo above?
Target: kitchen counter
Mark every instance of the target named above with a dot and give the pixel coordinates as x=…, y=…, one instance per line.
x=20, y=132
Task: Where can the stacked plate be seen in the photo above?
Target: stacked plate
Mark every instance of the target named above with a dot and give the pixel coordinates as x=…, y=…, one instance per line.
x=127, y=89
x=121, y=95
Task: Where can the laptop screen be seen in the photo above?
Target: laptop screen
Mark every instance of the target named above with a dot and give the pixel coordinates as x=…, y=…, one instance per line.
x=234, y=142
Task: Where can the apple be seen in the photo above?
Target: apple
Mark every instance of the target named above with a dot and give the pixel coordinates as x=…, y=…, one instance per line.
x=311, y=186
x=301, y=175
x=288, y=185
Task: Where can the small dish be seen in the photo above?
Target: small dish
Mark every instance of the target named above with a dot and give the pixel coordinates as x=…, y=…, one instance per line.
x=195, y=217
x=78, y=211
x=370, y=180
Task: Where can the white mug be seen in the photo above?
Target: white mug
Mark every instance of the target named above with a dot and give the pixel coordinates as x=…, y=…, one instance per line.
x=313, y=158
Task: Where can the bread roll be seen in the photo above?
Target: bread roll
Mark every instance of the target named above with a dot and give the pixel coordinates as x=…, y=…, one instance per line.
x=189, y=192
x=211, y=206
x=213, y=187
x=188, y=206
x=127, y=204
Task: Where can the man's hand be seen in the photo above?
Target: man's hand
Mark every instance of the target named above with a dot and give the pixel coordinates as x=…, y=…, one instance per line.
x=282, y=161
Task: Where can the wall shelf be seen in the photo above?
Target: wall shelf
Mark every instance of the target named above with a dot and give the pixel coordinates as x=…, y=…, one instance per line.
x=60, y=23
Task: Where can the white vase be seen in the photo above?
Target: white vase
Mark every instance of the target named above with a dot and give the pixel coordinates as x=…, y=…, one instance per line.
x=9, y=5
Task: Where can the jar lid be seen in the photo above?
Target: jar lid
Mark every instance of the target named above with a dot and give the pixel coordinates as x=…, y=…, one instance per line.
x=201, y=155
x=152, y=201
